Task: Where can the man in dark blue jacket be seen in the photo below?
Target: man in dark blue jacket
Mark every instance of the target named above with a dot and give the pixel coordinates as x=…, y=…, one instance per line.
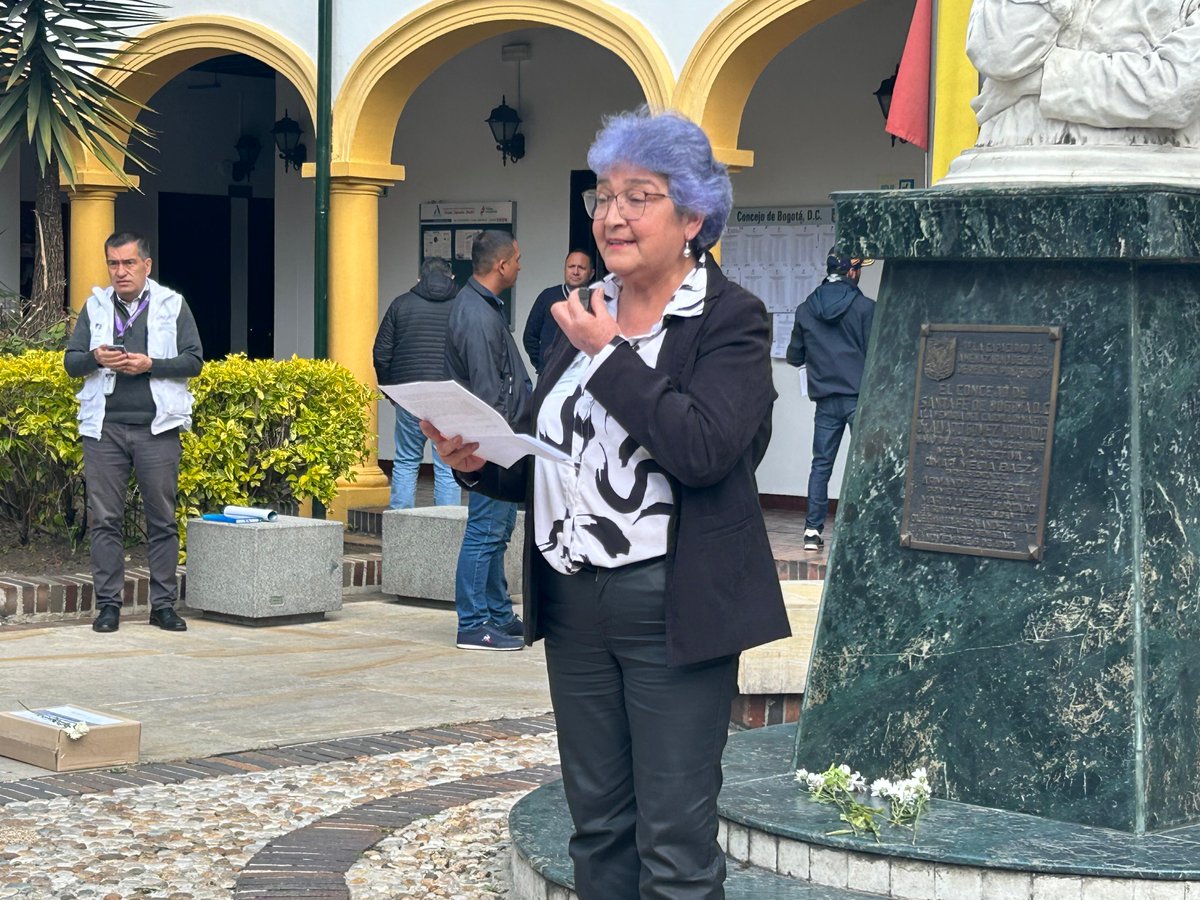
x=830, y=337
x=411, y=346
x=540, y=328
x=482, y=356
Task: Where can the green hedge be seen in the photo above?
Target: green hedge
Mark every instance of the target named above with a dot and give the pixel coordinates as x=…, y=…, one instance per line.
x=264, y=431
x=41, y=458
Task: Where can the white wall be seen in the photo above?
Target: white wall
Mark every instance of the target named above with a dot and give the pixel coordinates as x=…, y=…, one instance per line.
x=357, y=23
x=815, y=127
x=295, y=20
x=295, y=215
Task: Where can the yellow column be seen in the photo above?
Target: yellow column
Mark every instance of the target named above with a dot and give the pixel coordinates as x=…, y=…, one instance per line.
x=93, y=218
x=354, y=313
x=956, y=82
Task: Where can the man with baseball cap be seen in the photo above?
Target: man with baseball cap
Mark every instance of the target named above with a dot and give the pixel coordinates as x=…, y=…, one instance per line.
x=830, y=337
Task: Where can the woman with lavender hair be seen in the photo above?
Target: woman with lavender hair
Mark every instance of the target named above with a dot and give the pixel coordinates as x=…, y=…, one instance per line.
x=647, y=564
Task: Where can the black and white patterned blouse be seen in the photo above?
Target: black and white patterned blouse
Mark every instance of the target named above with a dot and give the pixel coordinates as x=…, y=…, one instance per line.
x=611, y=504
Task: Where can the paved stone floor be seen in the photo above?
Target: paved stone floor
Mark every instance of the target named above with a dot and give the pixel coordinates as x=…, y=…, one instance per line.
x=250, y=736
x=357, y=757
x=293, y=822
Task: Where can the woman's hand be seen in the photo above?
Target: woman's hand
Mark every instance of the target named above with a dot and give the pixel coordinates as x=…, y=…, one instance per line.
x=588, y=331
x=452, y=450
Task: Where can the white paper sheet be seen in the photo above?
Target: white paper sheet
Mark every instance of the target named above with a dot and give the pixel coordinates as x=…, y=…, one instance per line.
x=70, y=713
x=454, y=410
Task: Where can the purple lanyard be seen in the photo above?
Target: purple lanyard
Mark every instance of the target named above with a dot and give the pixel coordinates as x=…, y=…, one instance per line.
x=121, y=327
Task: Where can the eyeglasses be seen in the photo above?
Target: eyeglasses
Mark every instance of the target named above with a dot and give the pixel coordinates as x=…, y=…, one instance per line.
x=630, y=204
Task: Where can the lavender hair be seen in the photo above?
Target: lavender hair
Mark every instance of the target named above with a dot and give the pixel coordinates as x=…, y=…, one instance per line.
x=673, y=146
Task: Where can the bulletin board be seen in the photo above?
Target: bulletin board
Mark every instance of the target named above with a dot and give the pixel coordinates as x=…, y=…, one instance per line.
x=778, y=254
x=448, y=229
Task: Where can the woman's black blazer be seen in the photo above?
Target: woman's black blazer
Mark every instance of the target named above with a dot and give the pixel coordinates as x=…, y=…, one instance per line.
x=704, y=414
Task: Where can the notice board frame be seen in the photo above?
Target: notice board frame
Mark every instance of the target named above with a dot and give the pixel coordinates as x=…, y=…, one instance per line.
x=453, y=223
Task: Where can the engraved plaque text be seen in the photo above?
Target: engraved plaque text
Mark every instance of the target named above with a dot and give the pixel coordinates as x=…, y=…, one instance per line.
x=981, y=435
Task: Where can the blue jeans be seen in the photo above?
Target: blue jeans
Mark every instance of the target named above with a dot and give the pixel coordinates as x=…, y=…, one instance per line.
x=480, y=588
x=410, y=448
x=834, y=414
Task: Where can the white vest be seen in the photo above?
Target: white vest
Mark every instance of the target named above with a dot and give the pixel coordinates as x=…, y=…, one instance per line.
x=172, y=400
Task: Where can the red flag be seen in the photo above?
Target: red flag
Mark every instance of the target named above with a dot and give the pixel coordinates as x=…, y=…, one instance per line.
x=908, y=118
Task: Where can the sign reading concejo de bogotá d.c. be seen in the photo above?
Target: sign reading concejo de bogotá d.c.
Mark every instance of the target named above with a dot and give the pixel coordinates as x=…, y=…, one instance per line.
x=982, y=431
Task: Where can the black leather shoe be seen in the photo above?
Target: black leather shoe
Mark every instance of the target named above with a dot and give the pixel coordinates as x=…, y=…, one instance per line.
x=108, y=619
x=167, y=619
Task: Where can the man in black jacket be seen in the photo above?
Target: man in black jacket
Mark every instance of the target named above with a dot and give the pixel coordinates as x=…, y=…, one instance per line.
x=830, y=337
x=411, y=346
x=541, y=328
x=483, y=357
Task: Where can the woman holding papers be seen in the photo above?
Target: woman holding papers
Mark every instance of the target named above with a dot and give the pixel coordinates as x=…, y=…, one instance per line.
x=647, y=563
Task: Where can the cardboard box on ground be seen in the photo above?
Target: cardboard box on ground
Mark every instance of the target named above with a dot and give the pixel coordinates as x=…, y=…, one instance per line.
x=40, y=737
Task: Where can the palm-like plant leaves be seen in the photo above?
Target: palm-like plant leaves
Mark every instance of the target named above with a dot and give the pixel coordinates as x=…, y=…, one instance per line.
x=52, y=54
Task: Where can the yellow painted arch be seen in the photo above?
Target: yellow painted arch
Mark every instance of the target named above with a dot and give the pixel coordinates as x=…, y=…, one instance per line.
x=163, y=51
x=727, y=61
x=382, y=79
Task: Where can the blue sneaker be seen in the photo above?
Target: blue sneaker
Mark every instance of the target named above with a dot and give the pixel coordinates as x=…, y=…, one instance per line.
x=514, y=627
x=487, y=637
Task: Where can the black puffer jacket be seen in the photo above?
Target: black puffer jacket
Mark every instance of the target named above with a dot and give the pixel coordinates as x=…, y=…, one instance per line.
x=411, y=343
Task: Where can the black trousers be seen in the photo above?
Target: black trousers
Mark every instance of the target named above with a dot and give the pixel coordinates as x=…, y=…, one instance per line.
x=640, y=742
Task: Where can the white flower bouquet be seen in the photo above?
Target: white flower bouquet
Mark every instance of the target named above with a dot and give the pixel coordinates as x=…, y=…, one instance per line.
x=839, y=786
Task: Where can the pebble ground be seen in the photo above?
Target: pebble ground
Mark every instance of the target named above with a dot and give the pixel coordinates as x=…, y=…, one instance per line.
x=212, y=837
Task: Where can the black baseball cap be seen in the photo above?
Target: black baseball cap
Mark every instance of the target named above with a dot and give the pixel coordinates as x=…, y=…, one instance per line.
x=844, y=262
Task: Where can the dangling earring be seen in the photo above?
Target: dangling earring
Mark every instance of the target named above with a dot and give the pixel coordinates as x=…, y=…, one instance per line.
x=687, y=250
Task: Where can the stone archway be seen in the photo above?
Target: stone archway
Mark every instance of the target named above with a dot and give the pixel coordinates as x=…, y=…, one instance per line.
x=727, y=61
x=382, y=79
x=162, y=52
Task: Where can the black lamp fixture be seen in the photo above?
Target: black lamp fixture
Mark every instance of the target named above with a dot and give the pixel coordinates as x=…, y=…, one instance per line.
x=248, y=148
x=883, y=94
x=287, y=133
x=505, y=123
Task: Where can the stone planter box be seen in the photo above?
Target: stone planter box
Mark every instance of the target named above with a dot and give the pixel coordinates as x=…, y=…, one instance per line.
x=265, y=573
x=420, y=551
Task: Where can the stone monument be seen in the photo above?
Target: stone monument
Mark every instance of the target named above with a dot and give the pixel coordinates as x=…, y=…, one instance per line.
x=1085, y=92
x=1014, y=586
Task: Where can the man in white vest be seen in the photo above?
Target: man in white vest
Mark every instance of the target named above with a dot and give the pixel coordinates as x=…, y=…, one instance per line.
x=135, y=345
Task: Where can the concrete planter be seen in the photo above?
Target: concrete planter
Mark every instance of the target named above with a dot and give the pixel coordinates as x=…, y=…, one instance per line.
x=265, y=573
x=420, y=551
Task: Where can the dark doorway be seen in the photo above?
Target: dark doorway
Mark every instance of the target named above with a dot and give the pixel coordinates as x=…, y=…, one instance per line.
x=260, y=280
x=580, y=227
x=203, y=268
x=193, y=259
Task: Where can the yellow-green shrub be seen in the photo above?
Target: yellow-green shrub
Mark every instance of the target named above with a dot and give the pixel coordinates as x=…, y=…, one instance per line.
x=265, y=431
x=41, y=458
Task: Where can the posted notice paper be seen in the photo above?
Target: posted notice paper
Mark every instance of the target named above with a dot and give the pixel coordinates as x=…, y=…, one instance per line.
x=454, y=410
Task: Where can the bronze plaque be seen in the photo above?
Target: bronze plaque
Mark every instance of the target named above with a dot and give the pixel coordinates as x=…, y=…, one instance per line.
x=981, y=434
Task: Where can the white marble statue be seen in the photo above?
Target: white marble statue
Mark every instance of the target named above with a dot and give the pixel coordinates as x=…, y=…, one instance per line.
x=1085, y=91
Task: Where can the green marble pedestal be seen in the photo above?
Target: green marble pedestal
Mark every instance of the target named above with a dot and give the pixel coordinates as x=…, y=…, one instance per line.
x=1067, y=687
